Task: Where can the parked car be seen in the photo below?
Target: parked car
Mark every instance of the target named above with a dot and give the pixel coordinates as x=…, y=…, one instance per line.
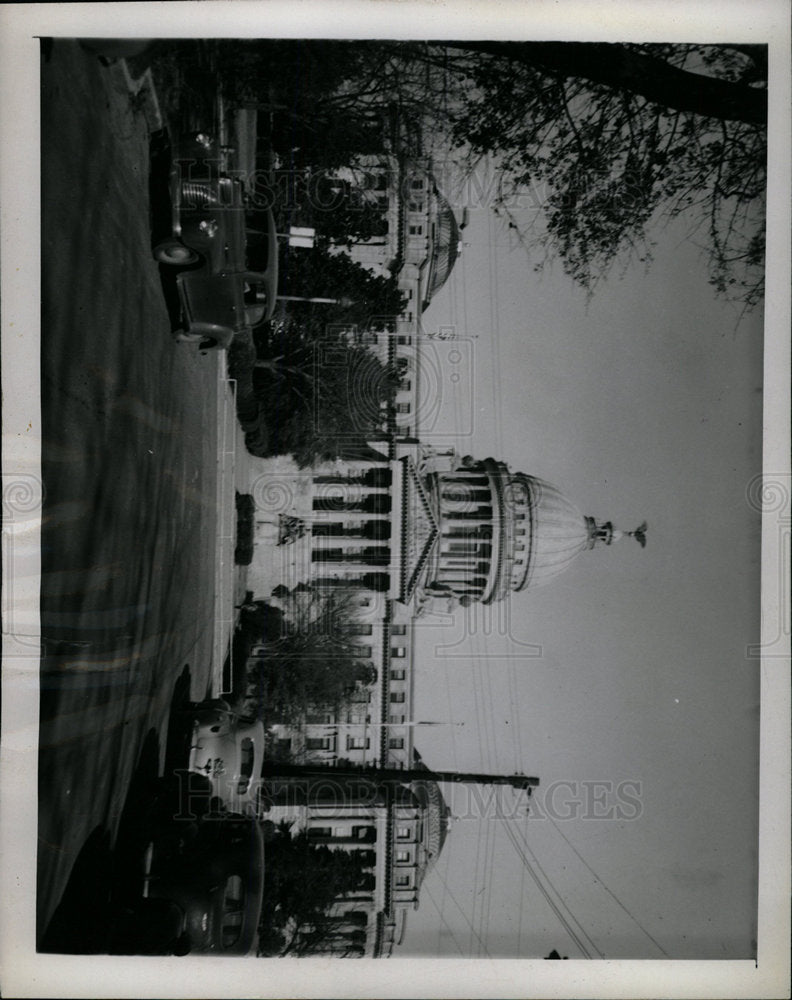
x=202, y=891
x=225, y=251
x=229, y=752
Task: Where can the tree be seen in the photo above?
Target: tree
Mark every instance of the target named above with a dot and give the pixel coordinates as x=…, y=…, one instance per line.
x=321, y=399
x=306, y=89
x=309, y=663
x=344, y=212
x=302, y=883
x=607, y=139
x=321, y=393
x=362, y=298
x=603, y=141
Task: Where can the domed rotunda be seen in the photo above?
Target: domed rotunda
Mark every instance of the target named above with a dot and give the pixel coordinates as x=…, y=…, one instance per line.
x=499, y=532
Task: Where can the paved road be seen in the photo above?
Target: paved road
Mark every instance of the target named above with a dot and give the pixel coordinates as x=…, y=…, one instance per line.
x=129, y=466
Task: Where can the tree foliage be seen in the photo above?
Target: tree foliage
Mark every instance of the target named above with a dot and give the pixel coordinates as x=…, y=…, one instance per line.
x=302, y=882
x=322, y=393
x=605, y=139
x=309, y=663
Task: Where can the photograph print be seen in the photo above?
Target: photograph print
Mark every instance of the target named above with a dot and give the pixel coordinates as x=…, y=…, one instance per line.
x=402, y=490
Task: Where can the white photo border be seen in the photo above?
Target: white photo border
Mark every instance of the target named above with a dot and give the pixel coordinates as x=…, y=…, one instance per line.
x=23, y=972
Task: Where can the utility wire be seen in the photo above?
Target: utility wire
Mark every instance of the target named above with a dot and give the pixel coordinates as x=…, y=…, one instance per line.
x=613, y=896
x=448, y=927
x=529, y=864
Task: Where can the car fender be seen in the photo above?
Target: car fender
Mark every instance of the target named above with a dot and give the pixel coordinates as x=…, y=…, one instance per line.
x=223, y=335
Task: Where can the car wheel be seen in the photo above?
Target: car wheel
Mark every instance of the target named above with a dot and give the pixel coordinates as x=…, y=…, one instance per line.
x=174, y=253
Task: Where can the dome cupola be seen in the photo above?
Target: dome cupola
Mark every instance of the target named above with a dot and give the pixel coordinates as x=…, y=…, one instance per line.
x=500, y=532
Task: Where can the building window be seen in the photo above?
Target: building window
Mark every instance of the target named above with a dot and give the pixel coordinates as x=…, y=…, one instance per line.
x=416, y=206
x=367, y=833
x=403, y=832
x=360, y=651
x=405, y=385
x=416, y=230
x=396, y=743
x=358, y=743
x=403, y=340
x=317, y=743
x=417, y=184
x=358, y=629
x=398, y=630
x=402, y=881
x=358, y=718
x=397, y=675
x=319, y=718
x=397, y=697
x=320, y=831
x=360, y=695
x=396, y=720
x=398, y=652
x=402, y=857
x=402, y=407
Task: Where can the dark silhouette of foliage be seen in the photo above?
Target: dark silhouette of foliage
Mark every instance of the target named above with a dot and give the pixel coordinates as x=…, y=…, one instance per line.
x=302, y=882
x=309, y=662
x=605, y=139
x=321, y=393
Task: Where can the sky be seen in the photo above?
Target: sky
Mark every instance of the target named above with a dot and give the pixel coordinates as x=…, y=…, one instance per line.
x=643, y=403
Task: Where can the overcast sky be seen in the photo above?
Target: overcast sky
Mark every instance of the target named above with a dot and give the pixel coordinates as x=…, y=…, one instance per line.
x=645, y=403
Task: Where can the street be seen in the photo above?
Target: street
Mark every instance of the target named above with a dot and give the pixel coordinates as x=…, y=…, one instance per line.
x=130, y=477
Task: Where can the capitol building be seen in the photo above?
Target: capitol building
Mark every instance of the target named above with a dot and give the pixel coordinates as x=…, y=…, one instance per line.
x=417, y=531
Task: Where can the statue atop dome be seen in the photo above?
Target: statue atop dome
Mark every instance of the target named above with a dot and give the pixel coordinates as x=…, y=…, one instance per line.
x=604, y=532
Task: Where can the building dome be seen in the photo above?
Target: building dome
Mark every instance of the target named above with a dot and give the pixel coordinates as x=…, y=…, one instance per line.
x=444, y=247
x=559, y=533
x=436, y=818
x=500, y=532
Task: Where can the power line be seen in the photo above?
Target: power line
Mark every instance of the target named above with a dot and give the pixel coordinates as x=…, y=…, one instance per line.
x=613, y=896
x=482, y=943
x=529, y=865
x=448, y=927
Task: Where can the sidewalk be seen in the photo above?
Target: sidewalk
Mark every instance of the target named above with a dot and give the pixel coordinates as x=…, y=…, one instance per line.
x=233, y=475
